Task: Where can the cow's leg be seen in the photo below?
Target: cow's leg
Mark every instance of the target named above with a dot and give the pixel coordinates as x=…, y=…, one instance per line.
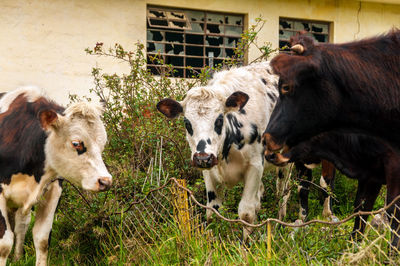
x=327, y=181
x=282, y=190
x=393, y=214
x=21, y=226
x=6, y=234
x=367, y=192
x=213, y=193
x=303, y=189
x=250, y=203
x=44, y=221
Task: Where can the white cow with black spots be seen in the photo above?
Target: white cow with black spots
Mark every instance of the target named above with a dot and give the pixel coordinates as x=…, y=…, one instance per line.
x=224, y=122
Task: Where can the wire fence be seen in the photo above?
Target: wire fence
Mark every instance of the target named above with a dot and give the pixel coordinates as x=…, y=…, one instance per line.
x=172, y=209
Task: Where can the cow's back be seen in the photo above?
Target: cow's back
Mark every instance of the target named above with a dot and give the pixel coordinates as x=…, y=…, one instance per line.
x=22, y=138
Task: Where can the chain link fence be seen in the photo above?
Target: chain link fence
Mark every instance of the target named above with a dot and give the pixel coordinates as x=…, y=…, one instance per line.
x=170, y=215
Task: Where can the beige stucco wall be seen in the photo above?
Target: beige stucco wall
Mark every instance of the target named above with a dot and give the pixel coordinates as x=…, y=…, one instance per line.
x=42, y=42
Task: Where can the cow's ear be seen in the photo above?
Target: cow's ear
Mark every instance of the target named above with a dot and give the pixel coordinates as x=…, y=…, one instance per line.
x=169, y=107
x=49, y=119
x=236, y=101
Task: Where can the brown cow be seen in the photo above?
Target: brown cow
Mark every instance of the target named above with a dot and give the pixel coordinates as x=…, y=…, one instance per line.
x=39, y=141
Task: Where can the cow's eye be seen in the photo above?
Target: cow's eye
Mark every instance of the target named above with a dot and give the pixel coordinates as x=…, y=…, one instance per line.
x=188, y=126
x=79, y=146
x=285, y=89
x=219, y=122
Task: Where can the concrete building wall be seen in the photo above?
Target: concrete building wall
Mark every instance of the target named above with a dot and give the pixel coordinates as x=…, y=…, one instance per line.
x=42, y=42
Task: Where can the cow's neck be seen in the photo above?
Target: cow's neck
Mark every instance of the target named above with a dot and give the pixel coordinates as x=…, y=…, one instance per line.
x=34, y=197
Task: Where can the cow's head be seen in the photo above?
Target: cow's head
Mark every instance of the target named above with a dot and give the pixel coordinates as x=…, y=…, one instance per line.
x=75, y=143
x=308, y=101
x=204, y=116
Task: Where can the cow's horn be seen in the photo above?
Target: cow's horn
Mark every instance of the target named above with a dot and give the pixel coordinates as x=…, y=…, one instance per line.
x=298, y=48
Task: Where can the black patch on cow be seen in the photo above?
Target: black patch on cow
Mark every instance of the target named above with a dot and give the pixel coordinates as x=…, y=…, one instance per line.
x=22, y=138
x=233, y=135
x=211, y=196
x=271, y=96
x=219, y=122
x=264, y=81
x=259, y=138
x=188, y=126
x=280, y=174
x=201, y=146
x=242, y=111
x=216, y=207
x=254, y=133
x=3, y=225
x=209, y=141
x=82, y=150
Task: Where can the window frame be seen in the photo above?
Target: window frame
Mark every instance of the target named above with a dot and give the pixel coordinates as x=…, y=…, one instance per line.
x=224, y=49
x=310, y=33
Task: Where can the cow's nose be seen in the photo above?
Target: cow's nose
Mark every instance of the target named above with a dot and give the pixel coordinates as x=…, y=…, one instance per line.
x=204, y=160
x=104, y=183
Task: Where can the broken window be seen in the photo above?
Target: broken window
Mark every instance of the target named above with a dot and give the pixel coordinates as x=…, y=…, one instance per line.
x=188, y=38
x=319, y=31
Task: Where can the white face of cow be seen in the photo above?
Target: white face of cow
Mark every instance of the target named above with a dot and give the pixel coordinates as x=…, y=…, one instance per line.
x=75, y=144
x=204, y=119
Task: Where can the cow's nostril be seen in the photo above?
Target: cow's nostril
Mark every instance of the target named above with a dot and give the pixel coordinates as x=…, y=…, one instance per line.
x=104, y=183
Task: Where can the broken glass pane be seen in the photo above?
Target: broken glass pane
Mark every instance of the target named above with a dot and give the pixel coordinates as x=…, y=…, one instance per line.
x=176, y=15
x=174, y=49
x=153, y=35
x=215, y=18
x=195, y=39
x=320, y=37
x=174, y=60
x=232, y=30
x=320, y=28
x=285, y=24
x=284, y=44
x=231, y=41
x=284, y=34
x=195, y=50
x=196, y=27
x=178, y=24
x=229, y=52
x=157, y=22
x=155, y=47
x=177, y=73
x=214, y=40
x=157, y=14
x=217, y=51
x=234, y=20
x=195, y=15
x=194, y=62
x=298, y=25
x=154, y=60
x=214, y=28
x=174, y=37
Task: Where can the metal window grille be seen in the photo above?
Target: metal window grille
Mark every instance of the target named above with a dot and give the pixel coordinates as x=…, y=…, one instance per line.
x=319, y=31
x=189, y=38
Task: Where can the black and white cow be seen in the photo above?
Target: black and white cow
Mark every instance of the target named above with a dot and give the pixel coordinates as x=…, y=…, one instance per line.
x=39, y=141
x=224, y=122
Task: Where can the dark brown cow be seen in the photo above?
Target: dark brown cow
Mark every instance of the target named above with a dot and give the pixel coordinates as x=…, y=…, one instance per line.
x=370, y=160
x=353, y=87
x=327, y=86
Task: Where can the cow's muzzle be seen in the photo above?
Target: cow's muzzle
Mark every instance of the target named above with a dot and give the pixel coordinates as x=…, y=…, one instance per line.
x=204, y=160
x=277, y=159
x=104, y=183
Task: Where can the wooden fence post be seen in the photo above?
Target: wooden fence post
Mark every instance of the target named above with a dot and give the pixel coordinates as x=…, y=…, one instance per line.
x=181, y=208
